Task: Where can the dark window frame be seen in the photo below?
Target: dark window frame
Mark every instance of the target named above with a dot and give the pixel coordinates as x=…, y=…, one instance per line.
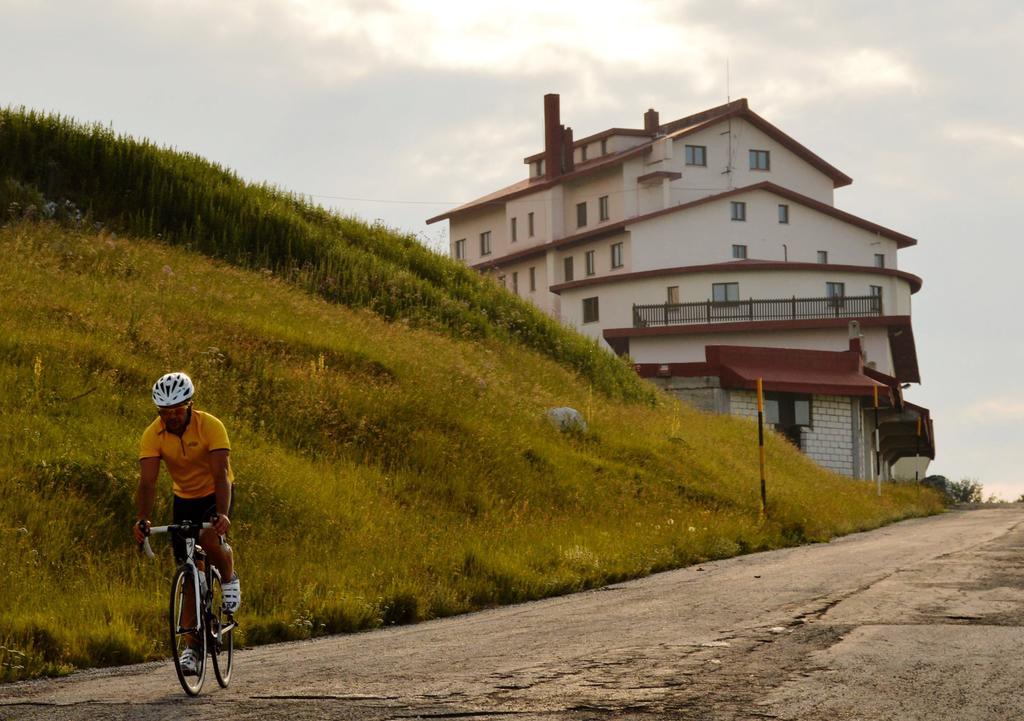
x=618, y=254
x=591, y=310
x=727, y=286
x=760, y=159
x=696, y=155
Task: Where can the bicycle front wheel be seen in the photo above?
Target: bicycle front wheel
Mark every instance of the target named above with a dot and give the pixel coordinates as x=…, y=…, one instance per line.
x=187, y=631
x=221, y=630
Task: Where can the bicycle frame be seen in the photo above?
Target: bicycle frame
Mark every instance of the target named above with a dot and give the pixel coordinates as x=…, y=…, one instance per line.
x=212, y=628
x=197, y=590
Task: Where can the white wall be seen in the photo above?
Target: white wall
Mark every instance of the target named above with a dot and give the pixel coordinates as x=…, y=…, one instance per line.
x=689, y=348
x=706, y=234
x=787, y=169
x=471, y=225
x=602, y=258
x=540, y=205
x=617, y=298
x=589, y=190
x=541, y=296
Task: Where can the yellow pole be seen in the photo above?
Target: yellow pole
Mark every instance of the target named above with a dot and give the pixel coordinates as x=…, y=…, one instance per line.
x=917, y=453
x=760, y=443
x=878, y=447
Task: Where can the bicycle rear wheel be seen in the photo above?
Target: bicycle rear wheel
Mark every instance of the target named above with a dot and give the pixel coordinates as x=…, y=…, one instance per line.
x=187, y=630
x=221, y=630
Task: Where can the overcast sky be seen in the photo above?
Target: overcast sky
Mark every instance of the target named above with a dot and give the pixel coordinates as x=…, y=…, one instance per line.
x=396, y=110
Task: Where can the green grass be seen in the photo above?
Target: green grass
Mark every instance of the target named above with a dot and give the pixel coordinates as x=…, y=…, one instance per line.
x=388, y=471
x=136, y=187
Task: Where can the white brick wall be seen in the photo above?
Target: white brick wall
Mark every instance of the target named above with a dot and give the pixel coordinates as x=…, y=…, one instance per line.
x=829, y=440
x=743, y=403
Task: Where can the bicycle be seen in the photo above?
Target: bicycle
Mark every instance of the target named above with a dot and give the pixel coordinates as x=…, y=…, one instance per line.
x=199, y=591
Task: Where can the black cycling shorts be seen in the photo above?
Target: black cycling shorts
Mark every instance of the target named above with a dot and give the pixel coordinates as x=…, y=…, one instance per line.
x=196, y=510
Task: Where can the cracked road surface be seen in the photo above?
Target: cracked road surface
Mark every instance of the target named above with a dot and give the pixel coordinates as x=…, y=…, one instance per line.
x=918, y=620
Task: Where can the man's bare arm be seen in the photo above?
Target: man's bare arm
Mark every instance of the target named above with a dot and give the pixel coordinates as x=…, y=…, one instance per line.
x=149, y=469
x=222, y=487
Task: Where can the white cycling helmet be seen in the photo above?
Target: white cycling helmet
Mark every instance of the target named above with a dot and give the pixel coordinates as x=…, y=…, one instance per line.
x=172, y=389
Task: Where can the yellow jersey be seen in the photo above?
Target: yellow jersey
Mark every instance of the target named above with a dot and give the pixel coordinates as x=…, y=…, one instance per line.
x=187, y=457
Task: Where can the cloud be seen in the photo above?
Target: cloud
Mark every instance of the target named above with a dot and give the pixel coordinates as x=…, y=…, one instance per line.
x=980, y=133
x=873, y=69
x=997, y=410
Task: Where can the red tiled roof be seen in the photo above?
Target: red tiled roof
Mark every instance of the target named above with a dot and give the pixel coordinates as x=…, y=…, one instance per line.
x=794, y=370
x=677, y=128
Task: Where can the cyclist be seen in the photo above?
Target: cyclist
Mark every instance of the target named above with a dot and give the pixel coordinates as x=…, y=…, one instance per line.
x=194, y=447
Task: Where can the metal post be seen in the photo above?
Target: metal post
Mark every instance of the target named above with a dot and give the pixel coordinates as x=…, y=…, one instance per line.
x=917, y=454
x=760, y=444
x=878, y=447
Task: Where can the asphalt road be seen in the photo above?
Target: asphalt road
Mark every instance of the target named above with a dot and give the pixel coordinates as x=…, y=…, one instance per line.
x=918, y=620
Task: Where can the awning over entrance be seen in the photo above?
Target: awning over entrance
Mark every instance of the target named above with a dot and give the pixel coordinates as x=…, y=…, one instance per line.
x=791, y=370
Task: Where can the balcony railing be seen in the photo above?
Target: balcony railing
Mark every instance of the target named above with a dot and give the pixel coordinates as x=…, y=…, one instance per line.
x=729, y=311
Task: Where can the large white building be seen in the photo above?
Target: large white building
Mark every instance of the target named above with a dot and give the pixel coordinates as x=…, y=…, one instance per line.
x=710, y=251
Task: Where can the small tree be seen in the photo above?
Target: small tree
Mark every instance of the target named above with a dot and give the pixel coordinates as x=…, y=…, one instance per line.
x=966, y=490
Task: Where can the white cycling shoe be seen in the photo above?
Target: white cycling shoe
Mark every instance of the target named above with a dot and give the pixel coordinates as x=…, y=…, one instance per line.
x=189, y=662
x=231, y=592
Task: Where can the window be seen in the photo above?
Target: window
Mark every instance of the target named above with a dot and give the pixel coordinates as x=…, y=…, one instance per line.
x=760, y=160
x=515, y=282
x=879, y=260
x=602, y=207
x=835, y=293
x=581, y=214
x=722, y=292
x=485, y=243
x=590, y=310
x=583, y=153
x=788, y=412
x=673, y=294
x=533, y=278
x=604, y=146
x=616, y=255
x=739, y=251
x=501, y=279
x=876, y=292
x=696, y=155
x=588, y=257
x=738, y=210
x=512, y=230
x=529, y=224
x=783, y=214
x=460, y=249
x=823, y=256
x=568, y=269
x=539, y=167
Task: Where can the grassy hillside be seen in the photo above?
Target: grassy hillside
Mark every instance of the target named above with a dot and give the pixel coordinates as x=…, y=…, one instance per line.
x=52, y=166
x=388, y=471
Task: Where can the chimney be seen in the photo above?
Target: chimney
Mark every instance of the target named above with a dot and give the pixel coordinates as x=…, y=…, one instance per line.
x=568, y=161
x=552, y=137
x=651, y=123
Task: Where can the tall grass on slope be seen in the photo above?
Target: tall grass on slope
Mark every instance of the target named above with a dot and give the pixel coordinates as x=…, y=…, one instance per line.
x=385, y=474
x=140, y=188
